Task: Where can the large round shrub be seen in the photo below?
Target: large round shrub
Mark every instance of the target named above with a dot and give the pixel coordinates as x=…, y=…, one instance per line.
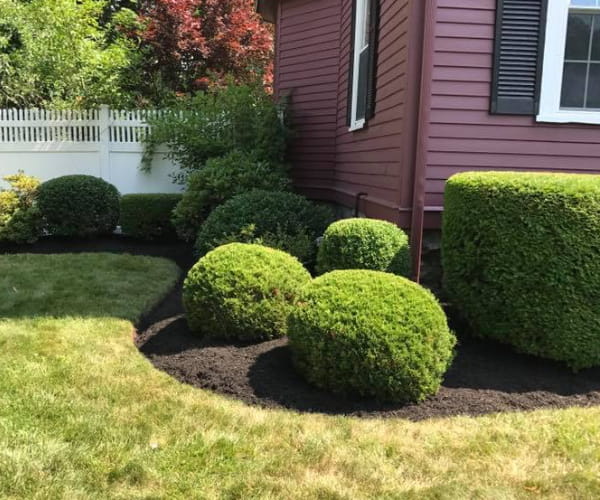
x=371, y=333
x=279, y=219
x=521, y=257
x=79, y=205
x=364, y=244
x=219, y=180
x=243, y=292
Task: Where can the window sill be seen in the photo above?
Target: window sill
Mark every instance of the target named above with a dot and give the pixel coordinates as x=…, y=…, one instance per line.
x=587, y=117
x=359, y=125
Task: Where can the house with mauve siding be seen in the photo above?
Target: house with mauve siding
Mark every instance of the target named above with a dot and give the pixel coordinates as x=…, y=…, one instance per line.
x=389, y=98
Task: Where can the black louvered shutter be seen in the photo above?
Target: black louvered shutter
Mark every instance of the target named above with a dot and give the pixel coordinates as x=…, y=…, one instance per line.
x=520, y=28
x=373, y=52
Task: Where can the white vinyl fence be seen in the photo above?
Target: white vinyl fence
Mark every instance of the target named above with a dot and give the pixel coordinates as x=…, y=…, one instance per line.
x=105, y=143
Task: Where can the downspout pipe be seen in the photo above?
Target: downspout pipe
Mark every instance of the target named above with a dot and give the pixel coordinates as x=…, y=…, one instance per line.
x=424, y=121
x=357, y=200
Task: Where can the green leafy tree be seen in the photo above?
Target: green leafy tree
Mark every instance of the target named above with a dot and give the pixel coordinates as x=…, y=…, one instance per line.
x=212, y=124
x=62, y=53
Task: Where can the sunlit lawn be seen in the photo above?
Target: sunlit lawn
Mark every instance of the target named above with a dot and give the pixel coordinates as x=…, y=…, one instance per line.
x=84, y=415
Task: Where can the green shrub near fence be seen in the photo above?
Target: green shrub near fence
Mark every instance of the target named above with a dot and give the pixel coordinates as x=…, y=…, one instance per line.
x=211, y=124
x=148, y=216
x=521, y=258
x=219, y=180
x=20, y=220
x=79, y=206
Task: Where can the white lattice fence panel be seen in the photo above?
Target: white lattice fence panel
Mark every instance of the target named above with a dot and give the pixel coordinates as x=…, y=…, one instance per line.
x=37, y=125
x=102, y=142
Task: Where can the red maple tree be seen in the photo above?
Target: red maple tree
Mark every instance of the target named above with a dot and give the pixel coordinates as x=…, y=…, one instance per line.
x=194, y=44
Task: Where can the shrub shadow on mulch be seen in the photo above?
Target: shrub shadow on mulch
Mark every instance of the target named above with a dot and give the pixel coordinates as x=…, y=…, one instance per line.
x=484, y=378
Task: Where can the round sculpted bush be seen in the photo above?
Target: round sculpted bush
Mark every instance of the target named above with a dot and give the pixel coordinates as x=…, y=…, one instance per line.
x=371, y=333
x=521, y=258
x=279, y=219
x=79, y=205
x=243, y=292
x=364, y=244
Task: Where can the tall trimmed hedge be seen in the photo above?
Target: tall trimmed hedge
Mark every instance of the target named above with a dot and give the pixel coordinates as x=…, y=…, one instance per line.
x=148, y=216
x=521, y=256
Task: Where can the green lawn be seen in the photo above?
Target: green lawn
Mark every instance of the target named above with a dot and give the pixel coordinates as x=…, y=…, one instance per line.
x=84, y=415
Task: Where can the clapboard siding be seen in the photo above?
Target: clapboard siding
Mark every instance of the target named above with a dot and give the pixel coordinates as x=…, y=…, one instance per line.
x=370, y=160
x=308, y=60
x=463, y=135
x=312, y=64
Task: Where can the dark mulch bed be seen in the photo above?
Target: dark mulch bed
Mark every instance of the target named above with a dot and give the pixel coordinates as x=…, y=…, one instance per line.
x=484, y=378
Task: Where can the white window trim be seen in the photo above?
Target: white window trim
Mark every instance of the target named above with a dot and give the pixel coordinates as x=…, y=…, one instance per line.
x=552, y=73
x=360, y=29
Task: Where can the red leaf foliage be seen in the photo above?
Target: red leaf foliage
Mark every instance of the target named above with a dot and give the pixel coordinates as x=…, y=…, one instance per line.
x=198, y=43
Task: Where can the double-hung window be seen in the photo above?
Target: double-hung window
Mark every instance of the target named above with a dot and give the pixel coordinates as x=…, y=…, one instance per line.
x=570, y=85
x=362, y=63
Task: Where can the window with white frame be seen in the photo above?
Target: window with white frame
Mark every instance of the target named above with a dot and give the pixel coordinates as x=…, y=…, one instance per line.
x=360, y=63
x=570, y=87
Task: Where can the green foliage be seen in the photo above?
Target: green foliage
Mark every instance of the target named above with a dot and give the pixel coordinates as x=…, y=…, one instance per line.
x=221, y=179
x=364, y=244
x=299, y=243
x=243, y=292
x=371, y=333
x=284, y=220
x=148, y=216
x=522, y=263
x=214, y=123
x=56, y=54
x=79, y=205
x=20, y=220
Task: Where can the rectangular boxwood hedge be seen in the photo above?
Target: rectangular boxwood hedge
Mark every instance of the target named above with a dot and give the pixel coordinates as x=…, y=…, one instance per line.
x=521, y=257
x=148, y=216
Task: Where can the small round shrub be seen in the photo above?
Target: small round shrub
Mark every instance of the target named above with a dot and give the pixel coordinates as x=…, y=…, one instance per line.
x=79, y=206
x=148, y=216
x=219, y=180
x=283, y=220
x=370, y=244
x=521, y=259
x=371, y=333
x=243, y=292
